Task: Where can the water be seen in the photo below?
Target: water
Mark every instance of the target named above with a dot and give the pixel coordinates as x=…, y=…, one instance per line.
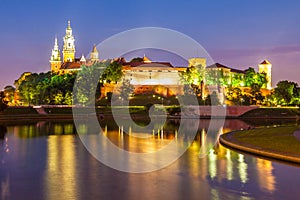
x=46, y=160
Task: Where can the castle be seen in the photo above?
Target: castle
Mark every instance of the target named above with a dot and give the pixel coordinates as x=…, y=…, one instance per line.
x=146, y=76
x=69, y=62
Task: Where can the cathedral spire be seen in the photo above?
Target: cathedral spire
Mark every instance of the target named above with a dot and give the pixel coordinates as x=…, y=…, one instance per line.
x=55, y=56
x=69, y=45
x=69, y=25
x=94, y=56
x=55, y=44
x=55, y=59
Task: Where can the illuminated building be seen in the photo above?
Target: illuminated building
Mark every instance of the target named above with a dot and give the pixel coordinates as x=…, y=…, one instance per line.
x=70, y=62
x=55, y=60
x=266, y=67
x=69, y=45
x=151, y=76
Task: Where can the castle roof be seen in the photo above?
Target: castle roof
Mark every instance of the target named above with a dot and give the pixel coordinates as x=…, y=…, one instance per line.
x=71, y=65
x=265, y=62
x=221, y=66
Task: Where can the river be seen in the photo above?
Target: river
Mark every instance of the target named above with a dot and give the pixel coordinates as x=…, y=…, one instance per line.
x=47, y=160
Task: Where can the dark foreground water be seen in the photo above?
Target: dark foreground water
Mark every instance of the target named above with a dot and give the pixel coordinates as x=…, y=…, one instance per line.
x=46, y=160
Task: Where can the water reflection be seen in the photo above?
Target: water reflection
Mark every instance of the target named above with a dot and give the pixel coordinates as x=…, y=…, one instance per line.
x=53, y=164
x=4, y=185
x=265, y=175
x=61, y=157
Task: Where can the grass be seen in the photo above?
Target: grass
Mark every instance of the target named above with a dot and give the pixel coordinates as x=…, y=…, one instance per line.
x=272, y=112
x=279, y=139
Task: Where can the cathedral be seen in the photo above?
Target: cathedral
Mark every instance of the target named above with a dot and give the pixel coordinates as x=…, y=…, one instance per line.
x=69, y=62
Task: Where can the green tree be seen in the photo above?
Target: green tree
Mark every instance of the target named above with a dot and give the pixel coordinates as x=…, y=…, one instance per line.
x=3, y=102
x=112, y=73
x=86, y=85
x=193, y=75
x=68, y=100
x=252, y=77
x=256, y=95
x=234, y=94
x=285, y=92
x=126, y=89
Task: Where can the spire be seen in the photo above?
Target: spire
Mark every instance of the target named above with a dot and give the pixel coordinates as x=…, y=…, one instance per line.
x=55, y=56
x=55, y=43
x=146, y=59
x=95, y=49
x=55, y=60
x=94, y=56
x=69, y=25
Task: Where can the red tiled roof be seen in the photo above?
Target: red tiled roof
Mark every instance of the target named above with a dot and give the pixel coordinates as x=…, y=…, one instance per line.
x=265, y=62
x=71, y=65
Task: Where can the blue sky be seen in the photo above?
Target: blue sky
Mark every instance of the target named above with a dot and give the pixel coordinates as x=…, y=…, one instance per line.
x=235, y=33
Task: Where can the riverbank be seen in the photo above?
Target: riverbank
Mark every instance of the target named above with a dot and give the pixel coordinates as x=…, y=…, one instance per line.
x=276, y=142
x=204, y=112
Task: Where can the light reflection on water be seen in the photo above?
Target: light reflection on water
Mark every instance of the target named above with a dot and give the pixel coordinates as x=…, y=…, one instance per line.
x=58, y=167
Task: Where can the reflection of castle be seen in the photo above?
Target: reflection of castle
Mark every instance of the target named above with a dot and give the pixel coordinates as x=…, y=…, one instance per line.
x=147, y=76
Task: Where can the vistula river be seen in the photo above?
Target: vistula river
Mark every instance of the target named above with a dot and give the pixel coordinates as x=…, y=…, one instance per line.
x=47, y=160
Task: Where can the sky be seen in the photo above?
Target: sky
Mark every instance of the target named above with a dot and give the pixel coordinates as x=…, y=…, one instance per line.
x=236, y=33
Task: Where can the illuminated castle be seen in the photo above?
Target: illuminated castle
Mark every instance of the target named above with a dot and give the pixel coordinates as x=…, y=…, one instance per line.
x=69, y=62
x=149, y=76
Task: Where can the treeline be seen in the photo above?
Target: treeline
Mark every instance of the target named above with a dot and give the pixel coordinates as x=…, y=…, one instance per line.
x=57, y=89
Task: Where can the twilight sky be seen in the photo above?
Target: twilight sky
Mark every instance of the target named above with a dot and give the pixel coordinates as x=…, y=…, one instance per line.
x=236, y=33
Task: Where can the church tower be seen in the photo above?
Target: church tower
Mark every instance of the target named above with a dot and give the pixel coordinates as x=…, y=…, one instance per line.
x=266, y=67
x=69, y=45
x=55, y=60
x=94, y=54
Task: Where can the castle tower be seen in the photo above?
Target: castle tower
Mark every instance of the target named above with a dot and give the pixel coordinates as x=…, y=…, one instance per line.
x=197, y=61
x=69, y=45
x=55, y=60
x=94, y=54
x=266, y=67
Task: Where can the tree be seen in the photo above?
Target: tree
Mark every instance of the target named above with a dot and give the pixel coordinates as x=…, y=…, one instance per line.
x=86, y=85
x=285, y=92
x=256, y=95
x=126, y=89
x=234, y=94
x=252, y=77
x=193, y=75
x=112, y=73
x=3, y=102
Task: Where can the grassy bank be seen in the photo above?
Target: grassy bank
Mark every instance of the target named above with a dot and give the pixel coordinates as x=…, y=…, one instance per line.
x=275, y=142
x=290, y=112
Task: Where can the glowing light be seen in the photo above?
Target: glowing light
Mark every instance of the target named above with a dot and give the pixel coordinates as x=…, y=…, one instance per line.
x=212, y=169
x=229, y=168
x=242, y=166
